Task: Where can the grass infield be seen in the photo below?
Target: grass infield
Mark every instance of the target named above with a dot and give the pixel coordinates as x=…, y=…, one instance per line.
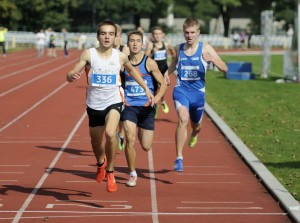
x=264, y=114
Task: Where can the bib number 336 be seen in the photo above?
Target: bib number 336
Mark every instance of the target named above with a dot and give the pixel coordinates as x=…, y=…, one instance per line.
x=101, y=80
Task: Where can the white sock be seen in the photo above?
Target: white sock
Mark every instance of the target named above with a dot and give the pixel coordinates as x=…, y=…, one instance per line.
x=133, y=173
x=179, y=157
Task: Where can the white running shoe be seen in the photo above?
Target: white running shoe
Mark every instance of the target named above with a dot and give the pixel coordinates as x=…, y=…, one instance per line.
x=132, y=181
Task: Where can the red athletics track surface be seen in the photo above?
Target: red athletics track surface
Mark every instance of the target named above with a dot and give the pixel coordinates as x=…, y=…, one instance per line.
x=47, y=167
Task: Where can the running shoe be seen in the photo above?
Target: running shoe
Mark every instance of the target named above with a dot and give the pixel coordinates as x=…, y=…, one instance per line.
x=192, y=141
x=132, y=181
x=165, y=107
x=121, y=142
x=101, y=171
x=156, y=112
x=111, y=182
x=178, y=167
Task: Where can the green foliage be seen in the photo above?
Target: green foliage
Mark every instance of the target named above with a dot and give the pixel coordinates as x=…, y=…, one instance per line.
x=264, y=115
x=31, y=15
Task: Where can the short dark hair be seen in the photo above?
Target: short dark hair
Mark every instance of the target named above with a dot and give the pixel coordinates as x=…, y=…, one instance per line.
x=105, y=23
x=135, y=32
x=156, y=28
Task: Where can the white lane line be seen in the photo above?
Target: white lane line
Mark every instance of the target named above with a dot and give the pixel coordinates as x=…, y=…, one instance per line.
x=47, y=172
x=25, y=69
x=222, y=208
x=172, y=142
x=153, y=188
x=146, y=213
x=109, y=201
x=36, y=78
x=126, y=214
x=205, y=174
x=206, y=166
x=12, y=172
x=33, y=106
x=83, y=166
x=9, y=180
x=17, y=142
x=217, y=202
x=80, y=181
x=209, y=182
x=18, y=58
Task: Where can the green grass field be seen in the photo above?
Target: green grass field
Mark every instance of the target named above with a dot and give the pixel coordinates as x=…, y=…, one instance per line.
x=264, y=114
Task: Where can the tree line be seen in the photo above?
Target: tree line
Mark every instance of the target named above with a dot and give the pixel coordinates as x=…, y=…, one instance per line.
x=83, y=15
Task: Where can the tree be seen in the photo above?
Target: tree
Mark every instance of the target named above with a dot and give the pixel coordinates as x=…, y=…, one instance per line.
x=9, y=13
x=225, y=7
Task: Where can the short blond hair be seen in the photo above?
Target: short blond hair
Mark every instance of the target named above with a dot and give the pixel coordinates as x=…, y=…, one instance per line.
x=191, y=21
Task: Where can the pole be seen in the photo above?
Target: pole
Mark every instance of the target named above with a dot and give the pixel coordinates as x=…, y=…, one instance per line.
x=298, y=41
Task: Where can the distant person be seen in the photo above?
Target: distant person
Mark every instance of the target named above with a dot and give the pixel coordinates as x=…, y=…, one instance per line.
x=236, y=39
x=145, y=38
x=50, y=38
x=242, y=39
x=159, y=50
x=290, y=31
x=40, y=43
x=138, y=113
x=65, y=39
x=3, y=32
x=82, y=41
x=191, y=61
x=104, y=97
x=249, y=35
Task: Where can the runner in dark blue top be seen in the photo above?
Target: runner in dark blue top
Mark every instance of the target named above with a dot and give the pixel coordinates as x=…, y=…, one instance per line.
x=138, y=112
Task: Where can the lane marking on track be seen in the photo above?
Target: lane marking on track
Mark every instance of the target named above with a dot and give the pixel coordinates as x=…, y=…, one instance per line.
x=206, y=166
x=111, y=201
x=217, y=202
x=25, y=69
x=153, y=188
x=112, y=206
x=12, y=172
x=46, y=142
x=36, y=78
x=222, y=208
x=80, y=181
x=10, y=165
x=205, y=174
x=47, y=172
x=33, y=106
x=9, y=180
x=173, y=142
x=17, y=58
x=101, y=213
x=209, y=182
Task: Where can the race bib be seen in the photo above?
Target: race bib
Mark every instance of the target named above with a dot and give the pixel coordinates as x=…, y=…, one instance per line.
x=190, y=73
x=103, y=79
x=134, y=89
x=160, y=55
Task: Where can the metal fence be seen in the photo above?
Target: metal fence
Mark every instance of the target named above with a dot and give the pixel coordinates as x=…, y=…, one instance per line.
x=86, y=40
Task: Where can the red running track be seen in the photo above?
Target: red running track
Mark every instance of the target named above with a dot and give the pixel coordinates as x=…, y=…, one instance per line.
x=47, y=167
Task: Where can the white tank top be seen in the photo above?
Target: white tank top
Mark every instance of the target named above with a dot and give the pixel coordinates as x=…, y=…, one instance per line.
x=104, y=82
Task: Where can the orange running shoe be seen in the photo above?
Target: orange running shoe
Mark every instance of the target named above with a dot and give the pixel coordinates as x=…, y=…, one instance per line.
x=101, y=171
x=111, y=182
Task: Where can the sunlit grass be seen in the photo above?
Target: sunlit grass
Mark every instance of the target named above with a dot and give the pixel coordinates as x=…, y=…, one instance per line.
x=264, y=114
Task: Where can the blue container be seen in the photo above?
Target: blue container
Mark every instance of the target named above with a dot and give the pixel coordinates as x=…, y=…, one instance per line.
x=239, y=71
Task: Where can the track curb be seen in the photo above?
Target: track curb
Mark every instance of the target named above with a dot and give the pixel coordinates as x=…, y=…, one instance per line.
x=290, y=205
